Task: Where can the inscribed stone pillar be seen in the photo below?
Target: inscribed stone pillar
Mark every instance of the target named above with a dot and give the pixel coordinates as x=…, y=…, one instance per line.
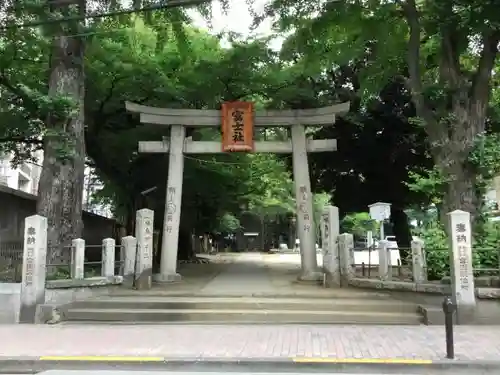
x=384, y=258
x=330, y=229
x=304, y=199
x=418, y=261
x=346, y=254
x=462, y=276
x=34, y=267
x=108, y=257
x=78, y=259
x=144, y=235
x=128, y=257
x=172, y=216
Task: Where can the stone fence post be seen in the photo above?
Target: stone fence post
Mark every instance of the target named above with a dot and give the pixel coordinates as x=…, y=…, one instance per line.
x=144, y=234
x=462, y=276
x=418, y=261
x=330, y=228
x=34, y=267
x=78, y=259
x=346, y=254
x=108, y=257
x=384, y=258
x=128, y=257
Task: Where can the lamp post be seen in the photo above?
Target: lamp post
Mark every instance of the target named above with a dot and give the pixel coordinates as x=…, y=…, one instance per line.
x=380, y=212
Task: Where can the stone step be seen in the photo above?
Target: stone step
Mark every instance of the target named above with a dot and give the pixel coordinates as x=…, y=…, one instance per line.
x=231, y=316
x=246, y=303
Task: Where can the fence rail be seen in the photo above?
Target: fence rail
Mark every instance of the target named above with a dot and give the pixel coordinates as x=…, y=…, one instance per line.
x=436, y=262
x=11, y=261
x=92, y=266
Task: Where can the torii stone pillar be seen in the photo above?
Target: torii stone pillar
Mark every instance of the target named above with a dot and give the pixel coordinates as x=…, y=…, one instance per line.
x=178, y=145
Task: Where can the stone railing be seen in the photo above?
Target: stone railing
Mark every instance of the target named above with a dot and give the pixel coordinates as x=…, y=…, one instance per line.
x=135, y=265
x=341, y=267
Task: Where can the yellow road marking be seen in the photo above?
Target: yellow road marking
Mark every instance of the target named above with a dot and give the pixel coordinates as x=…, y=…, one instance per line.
x=364, y=360
x=101, y=358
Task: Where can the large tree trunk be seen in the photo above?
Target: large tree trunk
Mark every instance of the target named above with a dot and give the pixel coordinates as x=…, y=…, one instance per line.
x=402, y=232
x=453, y=123
x=60, y=191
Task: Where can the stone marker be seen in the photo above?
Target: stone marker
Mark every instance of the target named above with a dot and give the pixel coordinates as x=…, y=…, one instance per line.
x=462, y=276
x=384, y=259
x=108, y=257
x=129, y=258
x=418, y=261
x=346, y=254
x=329, y=232
x=78, y=259
x=144, y=235
x=34, y=267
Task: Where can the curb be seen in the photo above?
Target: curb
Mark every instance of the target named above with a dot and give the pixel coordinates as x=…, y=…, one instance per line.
x=33, y=365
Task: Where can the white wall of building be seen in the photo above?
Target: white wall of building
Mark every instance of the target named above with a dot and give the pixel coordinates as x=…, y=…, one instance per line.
x=26, y=177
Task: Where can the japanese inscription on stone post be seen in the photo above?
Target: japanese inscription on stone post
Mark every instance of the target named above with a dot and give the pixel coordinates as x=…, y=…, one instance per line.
x=237, y=126
x=303, y=208
x=148, y=238
x=171, y=207
x=462, y=270
x=29, y=261
x=463, y=250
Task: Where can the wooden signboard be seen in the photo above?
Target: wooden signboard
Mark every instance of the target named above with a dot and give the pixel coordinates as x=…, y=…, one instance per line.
x=237, y=126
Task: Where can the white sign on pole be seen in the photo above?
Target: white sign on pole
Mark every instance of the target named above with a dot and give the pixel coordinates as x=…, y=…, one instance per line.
x=380, y=211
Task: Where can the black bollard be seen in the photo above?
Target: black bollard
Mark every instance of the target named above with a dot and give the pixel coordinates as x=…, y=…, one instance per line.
x=449, y=309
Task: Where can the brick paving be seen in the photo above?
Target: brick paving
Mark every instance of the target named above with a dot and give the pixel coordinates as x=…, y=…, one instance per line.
x=248, y=341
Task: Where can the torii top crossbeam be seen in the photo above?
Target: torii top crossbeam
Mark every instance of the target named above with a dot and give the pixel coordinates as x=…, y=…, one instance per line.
x=263, y=118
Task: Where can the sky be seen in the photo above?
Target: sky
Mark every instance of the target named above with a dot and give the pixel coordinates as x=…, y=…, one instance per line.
x=238, y=19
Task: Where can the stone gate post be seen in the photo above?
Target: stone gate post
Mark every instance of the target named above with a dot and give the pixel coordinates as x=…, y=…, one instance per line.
x=346, y=254
x=418, y=261
x=384, y=261
x=34, y=267
x=78, y=259
x=462, y=276
x=144, y=234
x=128, y=257
x=330, y=228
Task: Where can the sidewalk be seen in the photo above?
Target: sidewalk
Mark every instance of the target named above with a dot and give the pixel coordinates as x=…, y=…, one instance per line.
x=260, y=342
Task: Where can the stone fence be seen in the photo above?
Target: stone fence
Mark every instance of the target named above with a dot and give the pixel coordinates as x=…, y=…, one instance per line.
x=340, y=268
x=25, y=302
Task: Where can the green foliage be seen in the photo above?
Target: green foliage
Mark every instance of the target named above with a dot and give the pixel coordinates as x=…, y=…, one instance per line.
x=228, y=223
x=485, y=157
x=486, y=248
x=437, y=251
x=429, y=182
x=358, y=223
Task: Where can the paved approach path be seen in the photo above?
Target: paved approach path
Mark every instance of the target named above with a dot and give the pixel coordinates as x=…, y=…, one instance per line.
x=248, y=342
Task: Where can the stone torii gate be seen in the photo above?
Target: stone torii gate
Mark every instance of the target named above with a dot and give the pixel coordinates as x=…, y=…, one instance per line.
x=244, y=118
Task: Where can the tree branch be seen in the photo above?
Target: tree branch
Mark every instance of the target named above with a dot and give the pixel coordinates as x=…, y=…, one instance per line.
x=450, y=58
x=482, y=76
x=28, y=101
x=414, y=82
x=108, y=97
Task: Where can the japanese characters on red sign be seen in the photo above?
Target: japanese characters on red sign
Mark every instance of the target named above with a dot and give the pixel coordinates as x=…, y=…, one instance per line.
x=237, y=126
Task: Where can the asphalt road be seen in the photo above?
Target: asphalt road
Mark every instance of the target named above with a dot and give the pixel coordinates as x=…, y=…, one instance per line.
x=139, y=372
x=201, y=368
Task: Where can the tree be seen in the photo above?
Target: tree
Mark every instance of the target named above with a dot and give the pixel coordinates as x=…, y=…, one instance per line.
x=129, y=65
x=52, y=116
x=451, y=50
x=358, y=224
